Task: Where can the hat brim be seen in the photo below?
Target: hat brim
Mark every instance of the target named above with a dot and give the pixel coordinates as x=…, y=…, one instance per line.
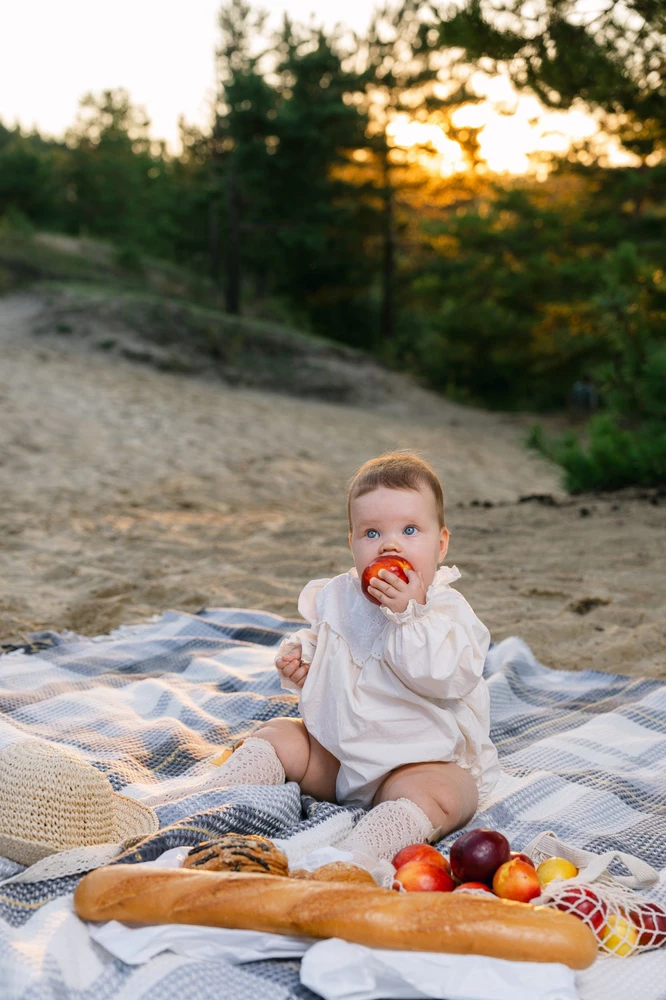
x=131, y=821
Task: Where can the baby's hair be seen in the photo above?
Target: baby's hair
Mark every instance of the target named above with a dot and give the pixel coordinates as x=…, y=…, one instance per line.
x=396, y=470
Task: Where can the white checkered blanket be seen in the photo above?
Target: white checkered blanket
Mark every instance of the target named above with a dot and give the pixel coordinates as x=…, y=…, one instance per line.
x=583, y=754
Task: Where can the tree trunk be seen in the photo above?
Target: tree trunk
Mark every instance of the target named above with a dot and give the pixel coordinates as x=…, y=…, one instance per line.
x=233, y=262
x=387, y=310
x=214, y=256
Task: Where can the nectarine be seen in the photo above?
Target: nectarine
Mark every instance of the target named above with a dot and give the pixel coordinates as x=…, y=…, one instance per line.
x=555, y=868
x=421, y=852
x=516, y=880
x=523, y=857
x=419, y=876
x=619, y=935
x=650, y=918
x=394, y=564
x=584, y=903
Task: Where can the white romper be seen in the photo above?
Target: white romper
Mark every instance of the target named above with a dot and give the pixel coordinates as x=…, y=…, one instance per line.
x=386, y=689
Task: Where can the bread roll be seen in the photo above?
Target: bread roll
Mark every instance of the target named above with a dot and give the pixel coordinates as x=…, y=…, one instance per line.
x=238, y=852
x=341, y=871
x=336, y=871
x=378, y=918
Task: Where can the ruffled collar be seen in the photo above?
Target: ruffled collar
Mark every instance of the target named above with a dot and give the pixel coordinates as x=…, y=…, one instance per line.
x=344, y=607
x=444, y=577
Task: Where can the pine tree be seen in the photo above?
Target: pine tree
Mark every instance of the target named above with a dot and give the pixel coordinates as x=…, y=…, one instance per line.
x=401, y=72
x=609, y=55
x=239, y=142
x=315, y=213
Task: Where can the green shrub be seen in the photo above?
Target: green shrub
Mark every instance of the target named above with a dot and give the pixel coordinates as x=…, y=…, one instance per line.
x=611, y=458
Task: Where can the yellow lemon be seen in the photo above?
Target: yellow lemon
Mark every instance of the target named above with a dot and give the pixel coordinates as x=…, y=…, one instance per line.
x=555, y=868
x=619, y=935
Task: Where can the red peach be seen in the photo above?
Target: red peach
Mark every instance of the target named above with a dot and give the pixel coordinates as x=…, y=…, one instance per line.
x=419, y=876
x=650, y=918
x=394, y=564
x=473, y=887
x=421, y=852
x=584, y=903
x=516, y=880
x=523, y=857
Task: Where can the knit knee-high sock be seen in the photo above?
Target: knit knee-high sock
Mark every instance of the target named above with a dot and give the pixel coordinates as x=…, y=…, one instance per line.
x=382, y=832
x=388, y=828
x=255, y=762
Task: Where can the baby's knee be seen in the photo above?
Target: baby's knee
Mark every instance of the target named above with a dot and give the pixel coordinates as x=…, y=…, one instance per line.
x=289, y=739
x=446, y=793
x=457, y=795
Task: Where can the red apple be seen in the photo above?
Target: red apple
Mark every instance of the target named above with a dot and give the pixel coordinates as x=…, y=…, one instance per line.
x=473, y=887
x=523, y=857
x=421, y=852
x=517, y=880
x=584, y=903
x=650, y=918
x=394, y=564
x=476, y=856
x=419, y=876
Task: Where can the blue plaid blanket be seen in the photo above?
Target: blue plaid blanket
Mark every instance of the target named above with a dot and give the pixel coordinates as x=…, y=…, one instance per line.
x=583, y=754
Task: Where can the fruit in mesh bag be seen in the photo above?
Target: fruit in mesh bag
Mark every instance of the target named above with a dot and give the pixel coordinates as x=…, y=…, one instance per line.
x=650, y=919
x=584, y=903
x=619, y=935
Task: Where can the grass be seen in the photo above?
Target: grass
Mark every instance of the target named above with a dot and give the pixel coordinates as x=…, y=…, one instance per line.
x=166, y=317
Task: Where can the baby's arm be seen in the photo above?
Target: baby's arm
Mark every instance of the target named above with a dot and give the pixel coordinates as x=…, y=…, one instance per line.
x=437, y=649
x=294, y=657
x=296, y=651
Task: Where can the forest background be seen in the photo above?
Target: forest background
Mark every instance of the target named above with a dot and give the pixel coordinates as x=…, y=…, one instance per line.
x=298, y=205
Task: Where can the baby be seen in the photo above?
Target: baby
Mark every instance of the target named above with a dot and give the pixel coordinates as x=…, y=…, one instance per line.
x=394, y=709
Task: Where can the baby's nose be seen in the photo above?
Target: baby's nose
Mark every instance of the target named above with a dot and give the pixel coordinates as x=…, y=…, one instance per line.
x=390, y=547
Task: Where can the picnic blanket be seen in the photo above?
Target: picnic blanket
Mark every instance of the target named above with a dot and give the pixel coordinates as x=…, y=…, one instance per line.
x=583, y=754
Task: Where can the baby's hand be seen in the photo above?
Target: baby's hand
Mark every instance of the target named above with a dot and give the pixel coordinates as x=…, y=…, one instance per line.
x=292, y=667
x=393, y=593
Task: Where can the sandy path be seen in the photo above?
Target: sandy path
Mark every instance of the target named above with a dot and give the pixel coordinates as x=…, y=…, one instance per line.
x=125, y=491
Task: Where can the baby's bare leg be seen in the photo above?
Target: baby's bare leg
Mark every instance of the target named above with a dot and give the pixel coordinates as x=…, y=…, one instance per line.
x=446, y=793
x=303, y=758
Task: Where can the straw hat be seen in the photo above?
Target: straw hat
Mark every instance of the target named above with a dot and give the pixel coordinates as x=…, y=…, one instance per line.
x=51, y=800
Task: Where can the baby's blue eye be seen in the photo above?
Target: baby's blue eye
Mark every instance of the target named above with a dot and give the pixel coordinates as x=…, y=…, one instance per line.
x=410, y=529
x=372, y=533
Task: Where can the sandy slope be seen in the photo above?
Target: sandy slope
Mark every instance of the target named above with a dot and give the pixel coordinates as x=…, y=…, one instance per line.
x=125, y=491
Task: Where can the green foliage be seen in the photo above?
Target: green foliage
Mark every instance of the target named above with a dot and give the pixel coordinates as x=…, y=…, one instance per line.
x=516, y=294
x=609, y=55
x=612, y=456
x=626, y=444
x=296, y=203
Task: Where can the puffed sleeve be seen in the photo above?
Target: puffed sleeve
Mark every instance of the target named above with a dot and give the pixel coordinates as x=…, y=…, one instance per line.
x=437, y=649
x=305, y=637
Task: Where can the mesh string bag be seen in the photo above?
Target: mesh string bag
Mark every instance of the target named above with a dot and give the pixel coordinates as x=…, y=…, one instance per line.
x=615, y=906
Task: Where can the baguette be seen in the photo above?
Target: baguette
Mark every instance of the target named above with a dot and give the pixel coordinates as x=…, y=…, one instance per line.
x=379, y=918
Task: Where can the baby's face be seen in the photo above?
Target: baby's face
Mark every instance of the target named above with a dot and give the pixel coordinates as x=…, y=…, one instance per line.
x=398, y=522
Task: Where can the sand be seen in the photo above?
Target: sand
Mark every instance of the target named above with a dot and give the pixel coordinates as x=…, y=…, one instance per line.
x=125, y=491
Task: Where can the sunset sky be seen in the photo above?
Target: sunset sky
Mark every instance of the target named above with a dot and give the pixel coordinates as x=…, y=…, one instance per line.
x=161, y=51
